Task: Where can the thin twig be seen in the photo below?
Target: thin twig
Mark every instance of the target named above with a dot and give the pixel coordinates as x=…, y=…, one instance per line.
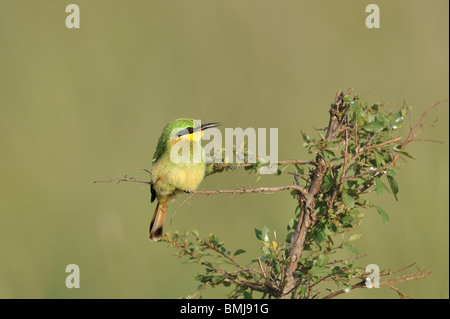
x=250, y=190
x=389, y=283
x=124, y=179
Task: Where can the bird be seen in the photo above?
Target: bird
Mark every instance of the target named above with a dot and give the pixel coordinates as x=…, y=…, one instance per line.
x=170, y=178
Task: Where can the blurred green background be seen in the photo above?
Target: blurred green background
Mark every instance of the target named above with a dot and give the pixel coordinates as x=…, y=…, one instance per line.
x=79, y=104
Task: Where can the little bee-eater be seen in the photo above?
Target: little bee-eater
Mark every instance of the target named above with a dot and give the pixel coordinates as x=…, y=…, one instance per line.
x=169, y=177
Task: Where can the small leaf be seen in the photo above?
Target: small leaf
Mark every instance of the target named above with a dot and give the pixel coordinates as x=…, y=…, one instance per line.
x=291, y=223
x=352, y=192
x=394, y=186
x=354, y=237
x=383, y=214
x=238, y=252
x=305, y=137
x=403, y=153
x=247, y=295
x=374, y=127
x=265, y=234
x=379, y=159
x=215, y=279
x=375, y=106
x=300, y=170
x=320, y=271
x=382, y=185
x=322, y=260
x=348, y=200
x=378, y=186
x=347, y=98
x=352, y=249
x=320, y=236
x=327, y=183
x=328, y=153
x=258, y=234
x=195, y=232
x=396, y=120
x=266, y=250
x=327, y=231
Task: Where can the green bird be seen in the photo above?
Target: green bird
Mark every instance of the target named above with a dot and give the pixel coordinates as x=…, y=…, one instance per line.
x=169, y=177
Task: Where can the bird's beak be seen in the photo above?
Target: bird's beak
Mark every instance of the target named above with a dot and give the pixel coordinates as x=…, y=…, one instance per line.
x=209, y=125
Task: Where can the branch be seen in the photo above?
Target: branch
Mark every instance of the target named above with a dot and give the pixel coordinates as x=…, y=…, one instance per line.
x=124, y=179
x=388, y=282
x=307, y=216
x=243, y=190
x=215, y=168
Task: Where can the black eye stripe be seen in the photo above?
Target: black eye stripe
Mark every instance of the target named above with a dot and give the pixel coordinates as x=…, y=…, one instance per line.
x=187, y=130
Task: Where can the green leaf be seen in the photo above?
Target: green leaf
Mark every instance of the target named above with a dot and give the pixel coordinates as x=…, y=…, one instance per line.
x=320, y=236
x=305, y=137
x=347, y=98
x=327, y=231
x=379, y=159
x=352, y=249
x=354, y=237
x=215, y=279
x=238, y=252
x=383, y=214
x=320, y=271
x=327, y=182
x=300, y=170
x=247, y=295
x=352, y=192
x=291, y=224
x=403, y=152
x=265, y=234
x=258, y=234
x=394, y=186
x=375, y=106
x=195, y=232
x=348, y=200
x=382, y=185
x=374, y=127
x=396, y=120
x=347, y=219
x=328, y=153
x=378, y=186
x=266, y=250
x=322, y=260
x=294, y=193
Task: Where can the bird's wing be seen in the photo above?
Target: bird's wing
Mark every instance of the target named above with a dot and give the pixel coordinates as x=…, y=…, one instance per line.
x=160, y=148
x=153, y=193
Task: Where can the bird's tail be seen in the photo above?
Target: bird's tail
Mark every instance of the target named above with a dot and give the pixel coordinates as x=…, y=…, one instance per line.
x=156, y=226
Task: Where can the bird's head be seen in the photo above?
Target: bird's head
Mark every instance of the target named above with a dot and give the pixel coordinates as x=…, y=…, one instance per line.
x=180, y=129
x=187, y=128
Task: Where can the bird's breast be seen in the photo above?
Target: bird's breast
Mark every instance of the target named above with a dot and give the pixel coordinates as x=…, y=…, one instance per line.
x=169, y=177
